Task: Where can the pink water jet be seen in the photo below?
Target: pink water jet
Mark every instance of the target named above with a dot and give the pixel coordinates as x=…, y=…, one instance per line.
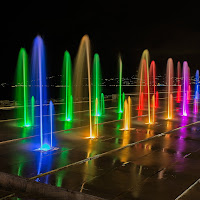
x=196, y=97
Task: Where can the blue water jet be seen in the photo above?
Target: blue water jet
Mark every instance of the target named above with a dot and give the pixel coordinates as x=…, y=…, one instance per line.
x=39, y=91
x=197, y=85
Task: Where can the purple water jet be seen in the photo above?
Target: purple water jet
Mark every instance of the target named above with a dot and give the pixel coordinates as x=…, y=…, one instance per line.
x=185, y=87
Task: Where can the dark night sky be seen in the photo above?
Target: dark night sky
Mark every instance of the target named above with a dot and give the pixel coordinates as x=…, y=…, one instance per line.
x=115, y=27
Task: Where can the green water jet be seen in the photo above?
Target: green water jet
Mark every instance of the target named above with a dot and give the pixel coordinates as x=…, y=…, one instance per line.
x=96, y=86
x=120, y=99
x=66, y=91
x=21, y=92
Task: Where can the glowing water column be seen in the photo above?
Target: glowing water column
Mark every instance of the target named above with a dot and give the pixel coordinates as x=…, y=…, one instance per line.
x=66, y=92
x=96, y=86
x=39, y=92
x=143, y=84
x=196, y=97
x=120, y=102
x=127, y=114
x=169, y=84
x=144, y=89
x=21, y=92
x=153, y=89
x=189, y=86
x=152, y=78
x=185, y=88
x=178, y=98
x=83, y=60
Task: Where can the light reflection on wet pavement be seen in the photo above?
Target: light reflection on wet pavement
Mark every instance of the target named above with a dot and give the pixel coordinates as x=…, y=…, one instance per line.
x=161, y=168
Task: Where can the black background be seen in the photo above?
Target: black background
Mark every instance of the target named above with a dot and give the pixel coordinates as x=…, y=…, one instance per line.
x=125, y=27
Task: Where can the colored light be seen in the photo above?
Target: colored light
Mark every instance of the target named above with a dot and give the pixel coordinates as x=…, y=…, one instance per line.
x=44, y=164
x=96, y=119
x=83, y=60
x=66, y=92
x=102, y=104
x=127, y=115
x=22, y=87
x=45, y=147
x=144, y=92
x=178, y=98
x=96, y=85
x=153, y=90
x=33, y=110
x=27, y=125
x=185, y=88
x=153, y=109
x=51, y=119
x=39, y=90
x=157, y=99
x=120, y=108
x=189, y=86
x=169, y=84
x=196, y=97
x=63, y=160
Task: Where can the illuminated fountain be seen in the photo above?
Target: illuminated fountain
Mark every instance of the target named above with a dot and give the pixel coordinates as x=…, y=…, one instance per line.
x=185, y=88
x=39, y=92
x=189, y=86
x=120, y=98
x=178, y=97
x=144, y=89
x=66, y=91
x=143, y=84
x=21, y=92
x=153, y=109
x=153, y=90
x=196, y=97
x=97, y=111
x=127, y=115
x=169, y=84
x=96, y=121
x=152, y=83
x=83, y=62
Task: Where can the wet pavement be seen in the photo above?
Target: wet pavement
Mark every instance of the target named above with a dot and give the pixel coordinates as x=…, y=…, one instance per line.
x=160, y=168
